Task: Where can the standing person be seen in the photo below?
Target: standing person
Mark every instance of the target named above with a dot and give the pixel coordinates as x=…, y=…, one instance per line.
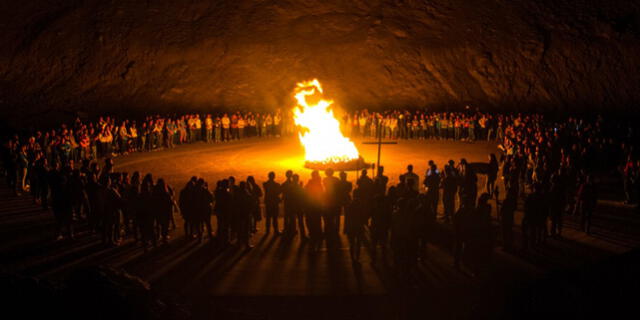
x=234, y=127
x=313, y=209
x=587, y=200
x=226, y=125
x=533, y=205
x=469, y=185
x=202, y=208
x=96, y=194
x=481, y=242
x=78, y=195
x=23, y=166
x=42, y=172
x=298, y=202
x=163, y=208
x=256, y=194
x=449, y=186
x=217, y=130
x=332, y=204
x=241, y=125
x=131, y=198
x=287, y=188
x=410, y=175
x=223, y=211
x=425, y=221
x=492, y=174
x=186, y=204
x=10, y=162
x=61, y=204
x=111, y=218
x=381, y=221
x=344, y=195
x=208, y=124
x=557, y=204
x=242, y=205
x=380, y=182
x=366, y=184
x=354, y=222
x=462, y=226
x=507, y=212
x=272, y=191
x=145, y=212
x=404, y=236
x=432, y=185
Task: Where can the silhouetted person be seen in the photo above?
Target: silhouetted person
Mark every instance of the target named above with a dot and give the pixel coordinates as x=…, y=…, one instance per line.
x=507, y=212
x=223, y=211
x=587, y=201
x=354, y=222
x=404, y=235
x=61, y=204
x=287, y=188
x=203, y=200
x=108, y=167
x=163, y=206
x=131, y=198
x=449, y=190
x=410, y=175
x=10, y=163
x=78, y=195
x=462, y=231
x=481, y=236
x=401, y=187
x=111, y=218
x=256, y=194
x=380, y=182
x=297, y=206
x=313, y=209
x=365, y=183
x=96, y=194
x=534, y=204
x=344, y=194
x=432, y=185
x=146, y=216
x=187, y=204
x=331, y=203
x=410, y=191
x=272, y=191
x=492, y=173
x=381, y=220
x=242, y=204
x=42, y=171
x=469, y=184
x=425, y=223
x=557, y=203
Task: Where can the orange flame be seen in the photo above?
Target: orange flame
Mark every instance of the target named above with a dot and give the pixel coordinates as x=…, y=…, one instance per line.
x=321, y=136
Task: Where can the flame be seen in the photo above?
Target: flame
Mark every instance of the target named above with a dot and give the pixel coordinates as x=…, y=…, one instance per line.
x=321, y=136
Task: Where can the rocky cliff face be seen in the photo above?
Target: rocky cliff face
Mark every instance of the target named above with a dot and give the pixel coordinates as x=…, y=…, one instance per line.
x=97, y=55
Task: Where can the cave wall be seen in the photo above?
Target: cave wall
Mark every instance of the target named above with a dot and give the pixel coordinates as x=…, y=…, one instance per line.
x=144, y=56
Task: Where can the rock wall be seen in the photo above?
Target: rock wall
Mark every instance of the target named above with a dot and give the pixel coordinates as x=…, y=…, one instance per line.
x=64, y=56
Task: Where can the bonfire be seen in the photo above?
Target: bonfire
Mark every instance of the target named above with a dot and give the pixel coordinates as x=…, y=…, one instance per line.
x=324, y=144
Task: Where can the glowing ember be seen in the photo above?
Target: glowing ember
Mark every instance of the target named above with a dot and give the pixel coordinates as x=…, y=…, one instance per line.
x=321, y=137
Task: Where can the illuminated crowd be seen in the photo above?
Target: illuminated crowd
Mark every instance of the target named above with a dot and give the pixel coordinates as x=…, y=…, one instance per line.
x=555, y=166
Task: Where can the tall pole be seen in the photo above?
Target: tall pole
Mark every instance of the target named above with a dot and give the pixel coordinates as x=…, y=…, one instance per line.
x=379, y=147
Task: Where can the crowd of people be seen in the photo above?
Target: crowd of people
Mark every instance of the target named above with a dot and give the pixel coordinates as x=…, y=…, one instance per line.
x=108, y=137
x=554, y=166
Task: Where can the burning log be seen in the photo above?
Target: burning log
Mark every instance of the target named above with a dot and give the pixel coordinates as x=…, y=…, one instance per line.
x=350, y=165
